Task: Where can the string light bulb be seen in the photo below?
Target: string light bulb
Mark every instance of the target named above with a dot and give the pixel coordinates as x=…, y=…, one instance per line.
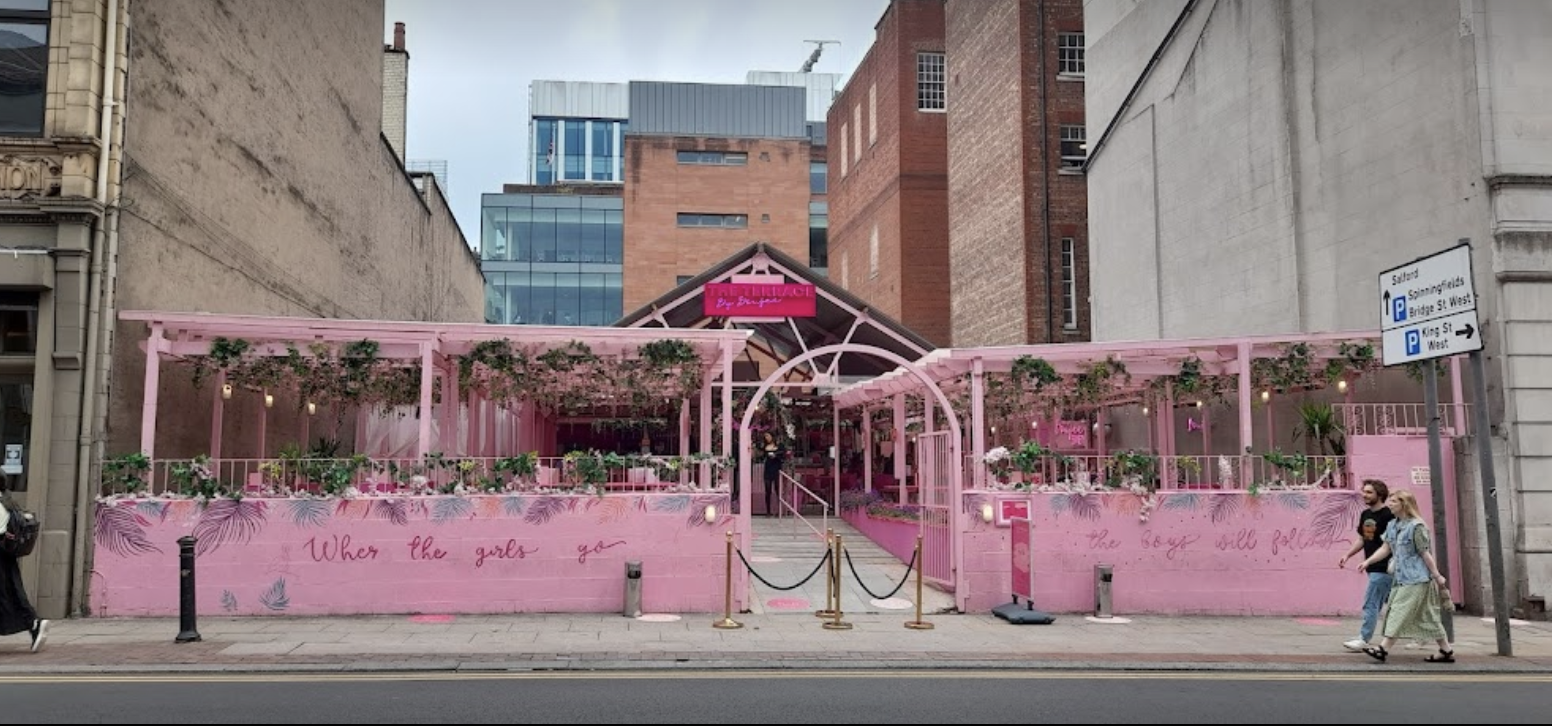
x=269, y=400
x=1342, y=385
x=312, y=408
x=226, y=391
x=1199, y=404
x=1266, y=395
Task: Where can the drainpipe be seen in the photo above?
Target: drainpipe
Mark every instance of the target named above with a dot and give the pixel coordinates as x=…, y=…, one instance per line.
x=1045, y=186
x=97, y=310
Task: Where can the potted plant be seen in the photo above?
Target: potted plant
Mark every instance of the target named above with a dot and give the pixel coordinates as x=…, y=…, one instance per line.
x=1319, y=424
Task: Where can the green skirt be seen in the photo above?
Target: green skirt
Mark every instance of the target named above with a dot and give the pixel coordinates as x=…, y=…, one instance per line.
x=1414, y=612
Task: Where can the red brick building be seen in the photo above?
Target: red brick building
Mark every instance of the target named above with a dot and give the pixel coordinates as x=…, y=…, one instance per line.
x=710, y=170
x=957, y=201
x=1018, y=205
x=888, y=173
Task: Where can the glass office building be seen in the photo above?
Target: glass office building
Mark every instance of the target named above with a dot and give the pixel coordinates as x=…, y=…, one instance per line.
x=578, y=150
x=553, y=258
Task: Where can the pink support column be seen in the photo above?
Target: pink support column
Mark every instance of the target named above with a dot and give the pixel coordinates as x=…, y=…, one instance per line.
x=705, y=432
x=263, y=429
x=1246, y=432
x=476, y=419
x=835, y=455
x=978, y=421
x=492, y=443
x=684, y=438
x=867, y=449
x=427, y=381
x=447, y=438
x=307, y=429
x=898, y=432
x=217, y=417
x=362, y=417
x=153, y=379
x=1101, y=419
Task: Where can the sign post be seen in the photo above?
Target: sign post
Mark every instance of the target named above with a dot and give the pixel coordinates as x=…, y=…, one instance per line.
x=1429, y=311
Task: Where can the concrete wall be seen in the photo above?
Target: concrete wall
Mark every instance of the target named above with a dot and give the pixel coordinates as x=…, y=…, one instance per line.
x=1281, y=154
x=234, y=204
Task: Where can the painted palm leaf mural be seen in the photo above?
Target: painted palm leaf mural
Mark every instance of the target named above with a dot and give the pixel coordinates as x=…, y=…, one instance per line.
x=227, y=521
x=122, y=531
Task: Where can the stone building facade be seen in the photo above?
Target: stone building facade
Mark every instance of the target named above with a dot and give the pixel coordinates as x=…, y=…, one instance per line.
x=214, y=197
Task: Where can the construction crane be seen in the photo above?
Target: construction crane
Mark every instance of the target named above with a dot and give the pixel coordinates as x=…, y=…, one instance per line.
x=813, y=58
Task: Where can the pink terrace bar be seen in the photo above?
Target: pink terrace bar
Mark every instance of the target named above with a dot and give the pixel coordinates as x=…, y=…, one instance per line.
x=426, y=554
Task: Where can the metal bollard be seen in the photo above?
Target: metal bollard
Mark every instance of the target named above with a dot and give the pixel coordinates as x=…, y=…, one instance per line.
x=632, y=589
x=1103, y=577
x=187, y=632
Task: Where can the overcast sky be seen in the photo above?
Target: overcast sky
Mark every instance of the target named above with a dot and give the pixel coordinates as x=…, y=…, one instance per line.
x=471, y=61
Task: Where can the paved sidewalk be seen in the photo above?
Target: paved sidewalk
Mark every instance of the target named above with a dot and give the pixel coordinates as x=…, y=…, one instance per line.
x=784, y=641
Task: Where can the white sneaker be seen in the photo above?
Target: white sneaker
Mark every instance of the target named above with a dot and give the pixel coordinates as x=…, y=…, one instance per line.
x=1355, y=645
x=39, y=635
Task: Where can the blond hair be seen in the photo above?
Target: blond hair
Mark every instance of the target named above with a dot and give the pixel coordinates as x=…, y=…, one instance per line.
x=1409, y=508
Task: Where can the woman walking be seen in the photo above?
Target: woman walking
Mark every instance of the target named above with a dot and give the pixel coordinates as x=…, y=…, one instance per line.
x=1414, y=596
x=16, y=613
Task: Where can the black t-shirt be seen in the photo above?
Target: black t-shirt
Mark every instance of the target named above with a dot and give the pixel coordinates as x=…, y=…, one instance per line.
x=1378, y=520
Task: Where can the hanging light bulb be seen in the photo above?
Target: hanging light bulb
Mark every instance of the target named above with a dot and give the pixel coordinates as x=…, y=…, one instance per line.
x=269, y=400
x=1199, y=404
x=312, y=408
x=1145, y=410
x=226, y=391
x=1342, y=385
x=1266, y=395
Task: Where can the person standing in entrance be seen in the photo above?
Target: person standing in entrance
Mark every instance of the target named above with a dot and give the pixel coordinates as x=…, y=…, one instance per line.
x=16, y=612
x=1415, y=601
x=773, y=460
x=1372, y=523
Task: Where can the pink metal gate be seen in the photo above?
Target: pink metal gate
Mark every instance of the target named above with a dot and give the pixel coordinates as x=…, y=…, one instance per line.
x=935, y=463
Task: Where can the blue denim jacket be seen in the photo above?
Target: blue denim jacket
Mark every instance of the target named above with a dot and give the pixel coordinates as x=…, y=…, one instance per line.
x=1408, y=540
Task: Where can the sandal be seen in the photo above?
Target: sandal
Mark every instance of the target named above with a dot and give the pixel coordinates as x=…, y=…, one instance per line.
x=1443, y=656
x=1376, y=652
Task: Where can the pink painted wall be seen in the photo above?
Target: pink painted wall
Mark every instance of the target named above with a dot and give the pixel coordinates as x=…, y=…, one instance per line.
x=434, y=554
x=1402, y=463
x=1207, y=553
x=894, y=536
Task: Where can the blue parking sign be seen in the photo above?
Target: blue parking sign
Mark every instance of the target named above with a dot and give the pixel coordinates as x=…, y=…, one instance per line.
x=1398, y=310
x=1414, y=342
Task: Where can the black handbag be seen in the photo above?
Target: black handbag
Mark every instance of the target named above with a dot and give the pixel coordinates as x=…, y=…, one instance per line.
x=21, y=532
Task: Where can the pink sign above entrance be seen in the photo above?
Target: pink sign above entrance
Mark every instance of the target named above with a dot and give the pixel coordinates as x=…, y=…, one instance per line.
x=733, y=299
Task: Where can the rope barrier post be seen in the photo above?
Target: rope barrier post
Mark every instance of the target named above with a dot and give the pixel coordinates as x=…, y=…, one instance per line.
x=830, y=577
x=727, y=622
x=837, y=623
x=918, y=623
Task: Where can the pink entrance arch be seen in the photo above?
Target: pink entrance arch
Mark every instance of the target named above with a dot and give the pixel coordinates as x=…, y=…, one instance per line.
x=746, y=494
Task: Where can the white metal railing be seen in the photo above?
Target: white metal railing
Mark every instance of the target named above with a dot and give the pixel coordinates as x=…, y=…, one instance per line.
x=360, y=475
x=1401, y=419
x=783, y=503
x=1258, y=471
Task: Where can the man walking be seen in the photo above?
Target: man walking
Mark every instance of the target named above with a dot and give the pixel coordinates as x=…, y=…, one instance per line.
x=1371, y=526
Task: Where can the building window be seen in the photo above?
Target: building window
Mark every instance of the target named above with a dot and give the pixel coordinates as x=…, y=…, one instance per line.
x=24, y=26
x=818, y=235
x=714, y=158
x=574, y=145
x=18, y=322
x=846, y=269
x=872, y=114
x=681, y=279
x=722, y=221
x=1069, y=54
x=1069, y=283
x=818, y=181
x=873, y=253
x=1075, y=149
x=856, y=128
x=544, y=150
x=930, y=82
x=845, y=155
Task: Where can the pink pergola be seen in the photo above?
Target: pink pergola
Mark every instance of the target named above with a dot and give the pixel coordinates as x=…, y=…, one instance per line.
x=1145, y=361
x=434, y=347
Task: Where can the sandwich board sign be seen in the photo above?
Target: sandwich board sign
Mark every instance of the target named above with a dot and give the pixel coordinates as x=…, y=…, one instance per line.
x=1429, y=308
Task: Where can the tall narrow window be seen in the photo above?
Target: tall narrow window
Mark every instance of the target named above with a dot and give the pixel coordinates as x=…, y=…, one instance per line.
x=24, y=51
x=856, y=129
x=1069, y=55
x=1075, y=149
x=846, y=269
x=1069, y=283
x=872, y=114
x=845, y=157
x=931, y=85
x=873, y=253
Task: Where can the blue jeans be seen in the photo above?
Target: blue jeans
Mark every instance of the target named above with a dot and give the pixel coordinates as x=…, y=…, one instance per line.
x=1373, y=599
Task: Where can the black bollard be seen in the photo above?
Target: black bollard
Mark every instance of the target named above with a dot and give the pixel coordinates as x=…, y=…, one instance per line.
x=187, y=632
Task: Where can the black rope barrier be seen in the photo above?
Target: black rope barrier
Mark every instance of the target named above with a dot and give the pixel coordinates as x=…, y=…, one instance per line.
x=864, y=585
x=801, y=582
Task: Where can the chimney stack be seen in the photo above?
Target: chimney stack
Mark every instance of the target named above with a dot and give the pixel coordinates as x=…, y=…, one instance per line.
x=398, y=36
